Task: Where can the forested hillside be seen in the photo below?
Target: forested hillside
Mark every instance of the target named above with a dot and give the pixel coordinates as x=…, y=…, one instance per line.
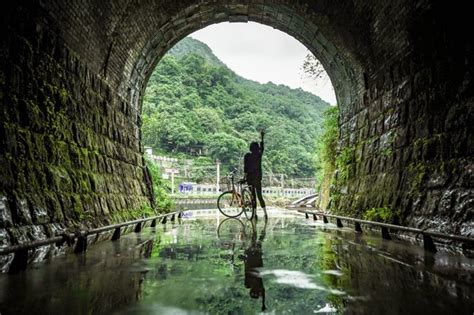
x=195, y=105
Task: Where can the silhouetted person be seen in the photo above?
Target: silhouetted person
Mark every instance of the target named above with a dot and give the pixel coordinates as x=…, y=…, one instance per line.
x=253, y=261
x=253, y=172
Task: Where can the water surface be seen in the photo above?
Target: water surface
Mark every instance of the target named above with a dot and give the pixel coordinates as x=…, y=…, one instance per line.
x=287, y=265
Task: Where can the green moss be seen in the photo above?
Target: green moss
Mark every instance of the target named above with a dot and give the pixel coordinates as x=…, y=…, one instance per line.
x=126, y=215
x=382, y=214
x=336, y=199
x=345, y=163
x=387, y=151
x=417, y=174
x=78, y=209
x=63, y=95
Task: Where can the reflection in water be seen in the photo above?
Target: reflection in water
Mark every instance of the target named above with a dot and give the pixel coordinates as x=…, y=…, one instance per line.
x=283, y=265
x=253, y=263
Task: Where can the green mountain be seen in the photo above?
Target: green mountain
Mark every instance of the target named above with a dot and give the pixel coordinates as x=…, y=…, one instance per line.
x=195, y=105
x=190, y=45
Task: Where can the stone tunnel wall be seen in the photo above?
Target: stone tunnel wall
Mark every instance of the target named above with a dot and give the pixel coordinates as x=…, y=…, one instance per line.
x=408, y=144
x=71, y=75
x=70, y=150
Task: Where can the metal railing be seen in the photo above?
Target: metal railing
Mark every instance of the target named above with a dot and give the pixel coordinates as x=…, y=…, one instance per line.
x=428, y=242
x=78, y=239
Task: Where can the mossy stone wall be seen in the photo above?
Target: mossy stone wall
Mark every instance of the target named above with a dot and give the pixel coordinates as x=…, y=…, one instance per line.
x=70, y=149
x=408, y=145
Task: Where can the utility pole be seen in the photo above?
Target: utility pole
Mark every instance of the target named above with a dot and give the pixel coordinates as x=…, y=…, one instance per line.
x=172, y=172
x=282, y=184
x=218, y=173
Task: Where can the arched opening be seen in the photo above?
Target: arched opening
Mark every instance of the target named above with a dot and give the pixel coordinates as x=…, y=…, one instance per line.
x=342, y=72
x=199, y=109
x=297, y=20
x=401, y=72
x=337, y=55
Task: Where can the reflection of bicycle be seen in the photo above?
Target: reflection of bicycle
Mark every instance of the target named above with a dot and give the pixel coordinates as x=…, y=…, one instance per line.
x=236, y=200
x=235, y=229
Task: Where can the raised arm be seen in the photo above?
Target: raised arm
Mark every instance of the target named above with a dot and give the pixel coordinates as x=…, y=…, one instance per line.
x=262, y=135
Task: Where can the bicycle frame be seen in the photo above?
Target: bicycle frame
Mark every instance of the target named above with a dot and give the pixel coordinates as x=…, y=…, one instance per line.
x=237, y=192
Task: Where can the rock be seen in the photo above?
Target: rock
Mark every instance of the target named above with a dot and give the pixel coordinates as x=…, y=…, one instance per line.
x=446, y=202
x=19, y=210
x=5, y=260
x=436, y=180
x=5, y=214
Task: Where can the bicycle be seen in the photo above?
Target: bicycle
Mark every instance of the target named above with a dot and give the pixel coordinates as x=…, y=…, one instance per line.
x=235, y=229
x=236, y=200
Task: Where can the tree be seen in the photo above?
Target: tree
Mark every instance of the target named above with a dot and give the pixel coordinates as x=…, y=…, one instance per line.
x=194, y=101
x=313, y=67
x=228, y=149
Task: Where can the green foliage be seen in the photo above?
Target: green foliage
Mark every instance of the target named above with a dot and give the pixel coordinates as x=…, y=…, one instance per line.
x=383, y=214
x=387, y=151
x=326, y=144
x=161, y=188
x=345, y=163
x=418, y=174
x=130, y=214
x=193, y=102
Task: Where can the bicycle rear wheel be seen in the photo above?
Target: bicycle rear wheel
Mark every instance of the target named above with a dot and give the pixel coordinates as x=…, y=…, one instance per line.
x=228, y=204
x=247, y=203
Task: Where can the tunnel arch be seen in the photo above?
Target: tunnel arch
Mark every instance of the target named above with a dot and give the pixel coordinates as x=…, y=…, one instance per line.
x=344, y=74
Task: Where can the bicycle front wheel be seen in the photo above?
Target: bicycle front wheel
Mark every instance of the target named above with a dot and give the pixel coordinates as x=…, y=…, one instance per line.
x=247, y=207
x=228, y=204
x=231, y=229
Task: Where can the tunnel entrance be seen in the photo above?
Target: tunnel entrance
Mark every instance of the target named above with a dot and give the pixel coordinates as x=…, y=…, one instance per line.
x=73, y=78
x=199, y=115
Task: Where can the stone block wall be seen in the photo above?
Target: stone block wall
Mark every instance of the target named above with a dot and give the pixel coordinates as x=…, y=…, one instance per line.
x=408, y=144
x=70, y=149
x=72, y=75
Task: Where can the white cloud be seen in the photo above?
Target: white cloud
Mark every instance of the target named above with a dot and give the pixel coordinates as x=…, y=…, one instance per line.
x=261, y=53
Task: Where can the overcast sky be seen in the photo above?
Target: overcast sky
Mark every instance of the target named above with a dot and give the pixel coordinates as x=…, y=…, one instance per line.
x=261, y=53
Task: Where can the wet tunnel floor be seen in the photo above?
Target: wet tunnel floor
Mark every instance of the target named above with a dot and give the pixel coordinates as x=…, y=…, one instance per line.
x=287, y=265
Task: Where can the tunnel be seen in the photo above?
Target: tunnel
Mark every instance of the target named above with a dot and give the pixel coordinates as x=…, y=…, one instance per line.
x=73, y=76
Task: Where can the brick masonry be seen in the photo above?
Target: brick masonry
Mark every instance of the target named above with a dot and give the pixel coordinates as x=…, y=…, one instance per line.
x=71, y=154
x=73, y=74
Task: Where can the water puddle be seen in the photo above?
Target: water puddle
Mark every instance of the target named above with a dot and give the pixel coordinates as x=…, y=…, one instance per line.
x=208, y=265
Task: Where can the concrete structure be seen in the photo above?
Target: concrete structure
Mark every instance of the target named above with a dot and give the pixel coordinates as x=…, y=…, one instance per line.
x=73, y=74
x=161, y=161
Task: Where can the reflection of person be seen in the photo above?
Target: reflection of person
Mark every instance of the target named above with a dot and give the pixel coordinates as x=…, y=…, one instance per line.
x=253, y=171
x=253, y=261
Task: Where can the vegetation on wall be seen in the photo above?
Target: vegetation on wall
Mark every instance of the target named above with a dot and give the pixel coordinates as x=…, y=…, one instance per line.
x=326, y=144
x=326, y=152
x=382, y=214
x=161, y=188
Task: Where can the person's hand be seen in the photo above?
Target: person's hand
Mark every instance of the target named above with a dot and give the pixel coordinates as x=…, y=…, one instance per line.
x=262, y=132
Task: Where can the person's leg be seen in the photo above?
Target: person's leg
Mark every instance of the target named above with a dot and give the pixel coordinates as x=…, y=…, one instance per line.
x=254, y=197
x=258, y=188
